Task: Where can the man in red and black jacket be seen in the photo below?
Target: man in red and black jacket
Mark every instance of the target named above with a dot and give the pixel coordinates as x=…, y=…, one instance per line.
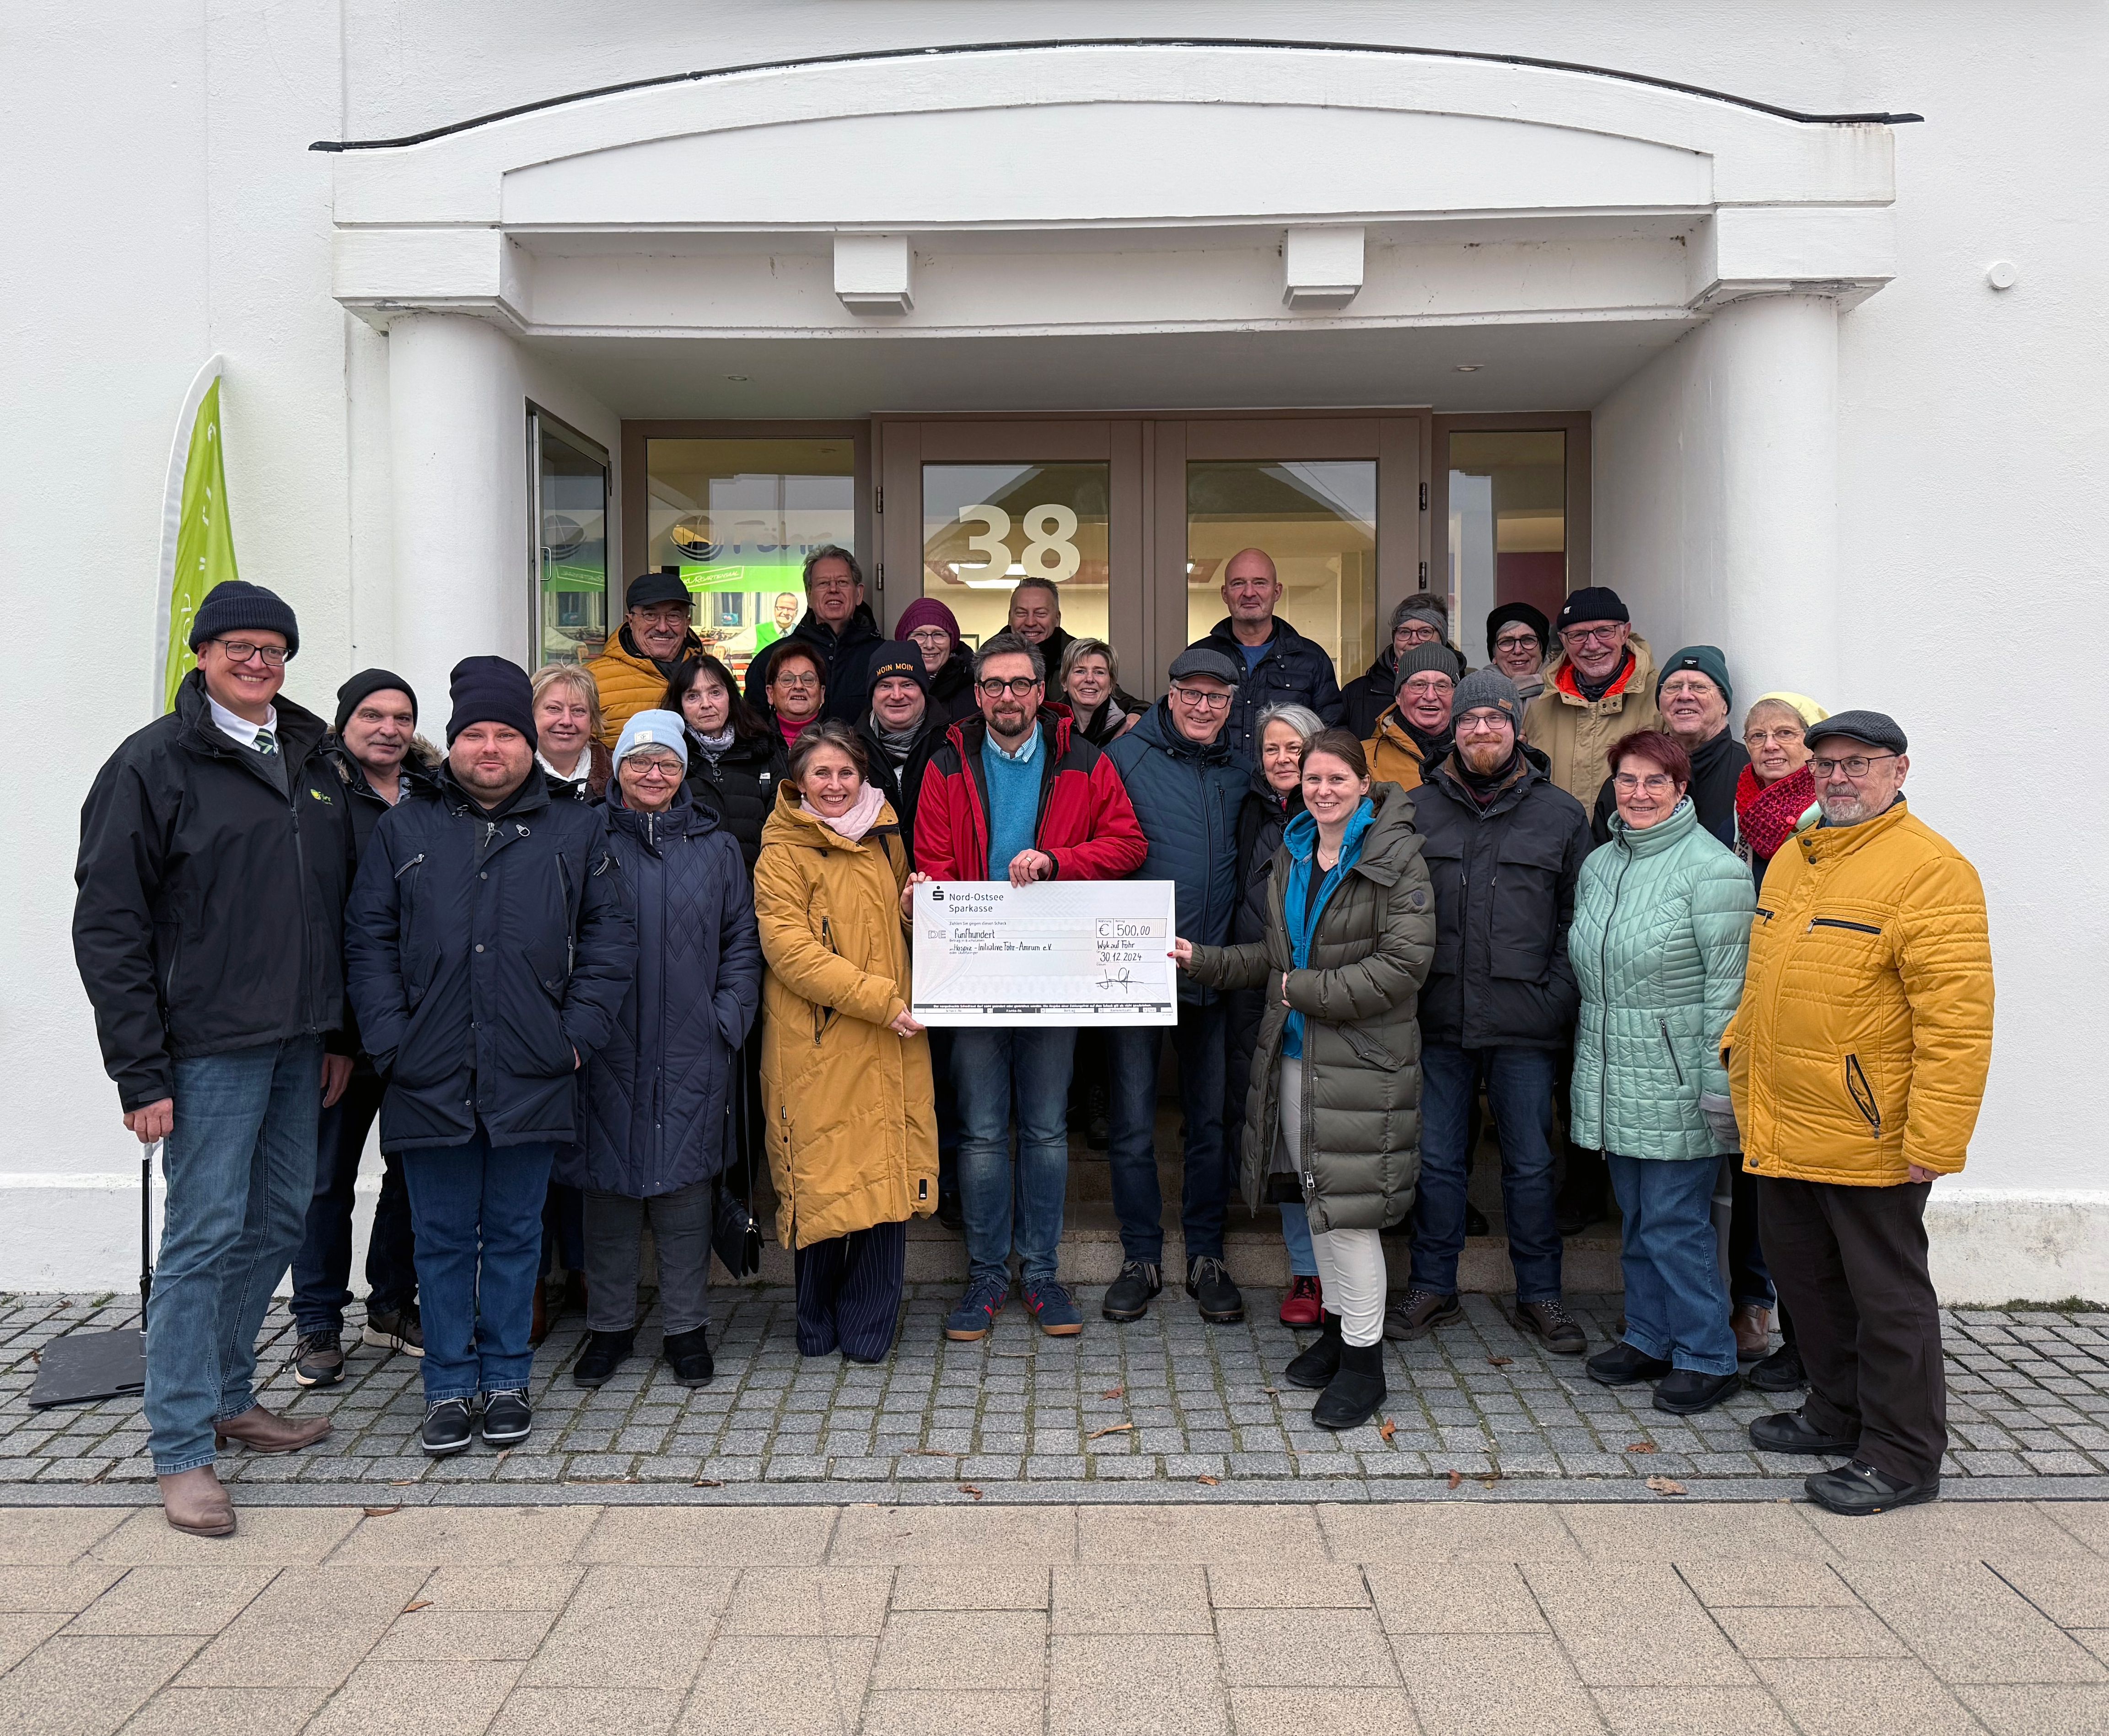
x=1014, y=793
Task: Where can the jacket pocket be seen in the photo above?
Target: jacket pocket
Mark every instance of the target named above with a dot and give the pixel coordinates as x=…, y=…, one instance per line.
x=1675, y=1065
x=1862, y=1095
x=1834, y=921
x=1366, y=1047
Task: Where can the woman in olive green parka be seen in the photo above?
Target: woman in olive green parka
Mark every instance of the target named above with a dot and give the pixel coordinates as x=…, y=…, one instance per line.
x=1660, y=935
x=1333, y=1112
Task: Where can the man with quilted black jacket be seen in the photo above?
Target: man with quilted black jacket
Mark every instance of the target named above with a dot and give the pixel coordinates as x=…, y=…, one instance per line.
x=1504, y=846
x=488, y=950
x=1015, y=793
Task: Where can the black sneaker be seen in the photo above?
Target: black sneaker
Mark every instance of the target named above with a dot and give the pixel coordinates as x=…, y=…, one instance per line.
x=1128, y=1297
x=1622, y=1365
x=1791, y=1431
x=1552, y=1326
x=506, y=1417
x=1417, y=1313
x=688, y=1355
x=1213, y=1292
x=1858, y=1490
x=1685, y=1392
x=1780, y=1372
x=318, y=1360
x=396, y=1329
x=446, y=1429
x=605, y=1352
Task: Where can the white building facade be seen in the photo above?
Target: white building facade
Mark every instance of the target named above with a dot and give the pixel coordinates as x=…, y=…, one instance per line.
x=1781, y=321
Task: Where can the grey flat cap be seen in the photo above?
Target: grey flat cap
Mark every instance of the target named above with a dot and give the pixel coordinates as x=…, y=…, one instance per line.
x=1203, y=659
x=1871, y=728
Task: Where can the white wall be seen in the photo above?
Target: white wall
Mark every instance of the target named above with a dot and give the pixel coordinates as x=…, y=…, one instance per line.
x=177, y=211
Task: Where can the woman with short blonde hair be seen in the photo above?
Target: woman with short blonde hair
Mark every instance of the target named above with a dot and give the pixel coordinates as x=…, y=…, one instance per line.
x=567, y=728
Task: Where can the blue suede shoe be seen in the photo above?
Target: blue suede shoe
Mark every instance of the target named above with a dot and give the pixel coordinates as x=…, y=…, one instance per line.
x=1053, y=1309
x=975, y=1316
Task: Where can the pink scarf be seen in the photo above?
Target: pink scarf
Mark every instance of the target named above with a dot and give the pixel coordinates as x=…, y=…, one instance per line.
x=862, y=816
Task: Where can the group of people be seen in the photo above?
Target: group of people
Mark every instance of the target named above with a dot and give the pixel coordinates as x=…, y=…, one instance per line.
x=641, y=928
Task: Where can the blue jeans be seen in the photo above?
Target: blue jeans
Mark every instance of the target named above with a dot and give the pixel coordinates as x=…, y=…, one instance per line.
x=1677, y=1308
x=477, y=1215
x=240, y=1165
x=1133, y=1052
x=321, y=1268
x=1296, y=1237
x=1519, y=1091
x=993, y=1071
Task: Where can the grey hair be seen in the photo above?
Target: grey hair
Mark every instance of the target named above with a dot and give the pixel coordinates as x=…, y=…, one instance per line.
x=831, y=552
x=1302, y=719
x=1769, y=704
x=1009, y=645
x=1434, y=603
x=1039, y=582
x=1089, y=648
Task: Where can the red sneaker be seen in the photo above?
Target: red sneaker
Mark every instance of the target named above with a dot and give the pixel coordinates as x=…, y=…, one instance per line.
x=1305, y=1304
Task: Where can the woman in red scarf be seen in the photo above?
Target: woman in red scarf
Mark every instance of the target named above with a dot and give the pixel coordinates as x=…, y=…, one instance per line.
x=1774, y=794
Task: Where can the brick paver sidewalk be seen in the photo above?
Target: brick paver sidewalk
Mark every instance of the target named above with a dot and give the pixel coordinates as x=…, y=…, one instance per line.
x=1140, y=1412
x=1474, y=1618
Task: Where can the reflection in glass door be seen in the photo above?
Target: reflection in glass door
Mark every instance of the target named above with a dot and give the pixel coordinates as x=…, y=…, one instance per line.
x=1315, y=518
x=570, y=509
x=987, y=526
x=1506, y=527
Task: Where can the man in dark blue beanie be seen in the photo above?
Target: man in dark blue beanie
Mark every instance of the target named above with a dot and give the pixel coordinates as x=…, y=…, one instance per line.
x=488, y=893
x=216, y=851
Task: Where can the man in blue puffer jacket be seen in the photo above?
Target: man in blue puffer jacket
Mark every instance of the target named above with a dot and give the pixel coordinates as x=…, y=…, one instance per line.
x=488, y=949
x=1186, y=784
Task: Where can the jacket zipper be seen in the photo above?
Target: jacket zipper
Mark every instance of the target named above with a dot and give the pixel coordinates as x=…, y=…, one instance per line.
x=1604, y=976
x=1766, y=914
x=1863, y=1094
x=1832, y=921
x=1664, y=1026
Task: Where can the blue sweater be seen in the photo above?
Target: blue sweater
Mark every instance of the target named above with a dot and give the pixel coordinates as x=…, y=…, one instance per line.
x=1014, y=796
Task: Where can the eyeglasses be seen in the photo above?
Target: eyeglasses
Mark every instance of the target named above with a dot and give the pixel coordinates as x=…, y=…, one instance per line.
x=1854, y=765
x=1606, y=634
x=832, y=585
x=1203, y=701
x=241, y=650
x=930, y=637
x=1483, y=723
x=1787, y=735
x=1655, y=783
x=664, y=771
x=788, y=680
x=1017, y=686
x=1525, y=640
x=1416, y=632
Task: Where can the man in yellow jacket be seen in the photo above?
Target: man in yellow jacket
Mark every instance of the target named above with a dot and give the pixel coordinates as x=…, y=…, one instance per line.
x=1856, y=1062
x=654, y=640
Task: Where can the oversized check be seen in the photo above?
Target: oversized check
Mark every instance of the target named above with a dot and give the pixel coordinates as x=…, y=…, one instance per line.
x=1079, y=952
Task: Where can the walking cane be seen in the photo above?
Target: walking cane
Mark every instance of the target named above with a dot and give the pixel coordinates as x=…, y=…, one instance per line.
x=81, y=1366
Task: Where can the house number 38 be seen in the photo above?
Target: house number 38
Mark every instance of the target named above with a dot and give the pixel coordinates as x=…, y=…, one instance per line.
x=1050, y=540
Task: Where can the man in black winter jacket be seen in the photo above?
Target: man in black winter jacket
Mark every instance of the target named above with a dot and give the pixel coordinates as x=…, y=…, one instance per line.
x=488, y=949
x=1279, y=666
x=839, y=627
x=1504, y=846
x=216, y=851
x=376, y=752
x=1692, y=693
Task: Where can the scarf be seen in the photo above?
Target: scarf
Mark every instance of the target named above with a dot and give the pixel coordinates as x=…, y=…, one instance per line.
x=862, y=816
x=791, y=732
x=1767, y=813
x=1570, y=679
x=1482, y=789
x=713, y=745
x=895, y=743
x=1433, y=745
x=1301, y=907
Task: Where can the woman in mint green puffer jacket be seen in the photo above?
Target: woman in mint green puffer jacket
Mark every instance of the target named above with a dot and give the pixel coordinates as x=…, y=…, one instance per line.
x=1660, y=935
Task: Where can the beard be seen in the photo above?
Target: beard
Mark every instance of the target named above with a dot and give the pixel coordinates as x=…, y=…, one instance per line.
x=1483, y=758
x=1845, y=810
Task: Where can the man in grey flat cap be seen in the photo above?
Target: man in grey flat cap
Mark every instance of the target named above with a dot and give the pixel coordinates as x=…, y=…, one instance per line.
x=1186, y=784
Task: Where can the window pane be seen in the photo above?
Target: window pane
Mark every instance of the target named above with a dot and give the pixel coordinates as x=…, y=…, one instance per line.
x=739, y=518
x=986, y=526
x=1318, y=520
x=573, y=544
x=1508, y=525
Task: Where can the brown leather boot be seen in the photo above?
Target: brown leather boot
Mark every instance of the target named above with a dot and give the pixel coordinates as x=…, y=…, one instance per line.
x=193, y=1501
x=1753, y=1331
x=259, y=1431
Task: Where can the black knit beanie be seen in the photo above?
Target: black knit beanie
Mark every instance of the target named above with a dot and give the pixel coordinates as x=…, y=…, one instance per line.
x=366, y=682
x=1534, y=618
x=491, y=690
x=233, y=604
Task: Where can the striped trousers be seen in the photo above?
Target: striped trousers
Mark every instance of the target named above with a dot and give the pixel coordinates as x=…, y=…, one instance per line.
x=849, y=1292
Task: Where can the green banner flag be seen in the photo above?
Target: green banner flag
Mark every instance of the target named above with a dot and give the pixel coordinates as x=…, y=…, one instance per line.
x=197, y=538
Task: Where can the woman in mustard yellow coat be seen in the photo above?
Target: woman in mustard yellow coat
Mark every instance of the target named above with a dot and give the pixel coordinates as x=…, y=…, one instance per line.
x=845, y=1069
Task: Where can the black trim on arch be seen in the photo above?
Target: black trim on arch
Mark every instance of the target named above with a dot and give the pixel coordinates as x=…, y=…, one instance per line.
x=1109, y=42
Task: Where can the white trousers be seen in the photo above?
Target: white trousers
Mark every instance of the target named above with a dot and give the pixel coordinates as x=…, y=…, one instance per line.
x=1351, y=1262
